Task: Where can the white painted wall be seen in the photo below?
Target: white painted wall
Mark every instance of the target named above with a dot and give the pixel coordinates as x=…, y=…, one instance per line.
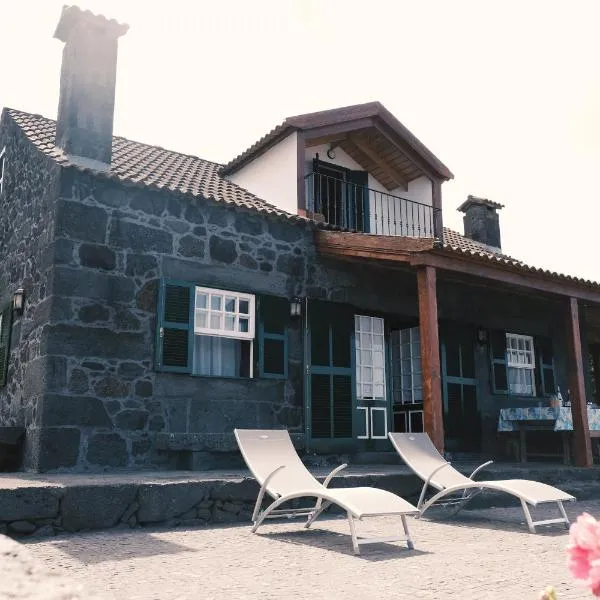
x=390, y=213
x=272, y=176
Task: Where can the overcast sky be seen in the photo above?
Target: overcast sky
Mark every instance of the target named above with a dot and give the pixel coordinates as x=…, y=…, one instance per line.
x=506, y=93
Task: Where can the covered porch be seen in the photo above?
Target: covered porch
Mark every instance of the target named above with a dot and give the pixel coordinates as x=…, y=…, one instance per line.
x=476, y=319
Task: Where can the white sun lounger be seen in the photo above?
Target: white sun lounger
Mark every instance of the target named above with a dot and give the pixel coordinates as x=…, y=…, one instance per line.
x=276, y=466
x=419, y=453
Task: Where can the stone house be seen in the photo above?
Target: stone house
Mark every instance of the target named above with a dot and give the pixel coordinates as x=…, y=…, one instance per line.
x=307, y=284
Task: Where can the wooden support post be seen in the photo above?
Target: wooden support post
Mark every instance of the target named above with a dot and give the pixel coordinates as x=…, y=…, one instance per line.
x=595, y=354
x=430, y=356
x=582, y=444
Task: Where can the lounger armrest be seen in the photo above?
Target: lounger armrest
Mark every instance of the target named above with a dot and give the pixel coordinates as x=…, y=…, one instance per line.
x=263, y=489
x=333, y=474
x=428, y=481
x=483, y=466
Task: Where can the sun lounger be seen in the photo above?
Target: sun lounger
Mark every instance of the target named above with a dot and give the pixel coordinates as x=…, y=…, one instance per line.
x=454, y=488
x=276, y=466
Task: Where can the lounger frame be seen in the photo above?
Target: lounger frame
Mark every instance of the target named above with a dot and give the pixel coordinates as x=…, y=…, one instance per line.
x=470, y=490
x=324, y=498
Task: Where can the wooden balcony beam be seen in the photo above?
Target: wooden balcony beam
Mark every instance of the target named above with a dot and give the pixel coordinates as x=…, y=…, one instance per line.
x=363, y=245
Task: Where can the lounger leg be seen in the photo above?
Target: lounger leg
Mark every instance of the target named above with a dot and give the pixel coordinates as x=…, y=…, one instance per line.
x=353, y=534
x=409, y=541
x=528, y=516
x=318, y=510
x=564, y=514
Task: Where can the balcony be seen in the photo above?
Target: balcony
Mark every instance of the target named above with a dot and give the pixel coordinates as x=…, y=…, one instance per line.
x=359, y=208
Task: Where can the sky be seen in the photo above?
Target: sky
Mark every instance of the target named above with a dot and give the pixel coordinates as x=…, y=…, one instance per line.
x=506, y=93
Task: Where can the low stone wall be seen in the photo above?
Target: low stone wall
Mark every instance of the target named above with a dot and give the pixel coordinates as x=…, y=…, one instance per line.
x=31, y=507
x=23, y=578
x=44, y=511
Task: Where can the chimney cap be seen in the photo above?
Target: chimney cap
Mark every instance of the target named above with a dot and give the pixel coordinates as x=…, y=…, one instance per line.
x=476, y=201
x=72, y=16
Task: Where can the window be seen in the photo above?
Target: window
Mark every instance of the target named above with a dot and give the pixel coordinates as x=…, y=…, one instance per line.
x=211, y=332
x=370, y=353
x=5, y=327
x=520, y=363
x=223, y=333
x=2, y=161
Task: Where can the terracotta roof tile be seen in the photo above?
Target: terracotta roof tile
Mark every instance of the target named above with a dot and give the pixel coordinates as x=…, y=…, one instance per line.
x=152, y=166
x=456, y=243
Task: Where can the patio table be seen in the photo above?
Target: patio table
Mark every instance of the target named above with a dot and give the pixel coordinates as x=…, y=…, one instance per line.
x=545, y=418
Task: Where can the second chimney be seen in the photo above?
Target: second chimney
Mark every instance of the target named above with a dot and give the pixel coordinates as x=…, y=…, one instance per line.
x=84, y=127
x=481, y=221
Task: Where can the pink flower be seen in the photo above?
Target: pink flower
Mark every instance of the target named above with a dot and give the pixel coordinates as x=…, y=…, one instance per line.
x=584, y=552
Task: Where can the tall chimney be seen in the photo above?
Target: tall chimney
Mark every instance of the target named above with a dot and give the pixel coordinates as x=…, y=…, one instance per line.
x=84, y=127
x=481, y=221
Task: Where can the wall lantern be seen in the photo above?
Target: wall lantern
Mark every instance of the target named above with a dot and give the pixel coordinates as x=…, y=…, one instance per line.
x=482, y=336
x=295, y=307
x=19, y=301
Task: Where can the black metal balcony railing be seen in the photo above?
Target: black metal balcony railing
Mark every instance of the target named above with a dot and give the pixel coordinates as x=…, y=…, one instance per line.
x=352, y=206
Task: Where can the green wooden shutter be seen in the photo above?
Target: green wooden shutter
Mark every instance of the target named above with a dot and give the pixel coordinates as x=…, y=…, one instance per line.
x=273, y=337
x=5, y=328
x=331, y=380
x=545, y=375
x=498, y=362
x=175, y=335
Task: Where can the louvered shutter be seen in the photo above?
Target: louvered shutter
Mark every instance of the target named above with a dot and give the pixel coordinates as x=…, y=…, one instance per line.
x=545, y=376
x=175, y=327
x=331, y=381
x=273, y=343
x=5, y=328
x=498, y=362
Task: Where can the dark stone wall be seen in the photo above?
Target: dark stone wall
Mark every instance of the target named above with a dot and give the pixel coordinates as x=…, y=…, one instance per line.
x=106, y=403
x=26, y=260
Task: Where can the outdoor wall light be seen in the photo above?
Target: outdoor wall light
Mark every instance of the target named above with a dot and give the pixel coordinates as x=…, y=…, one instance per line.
x=482, y=336
x=295, y=307
x=19, y=301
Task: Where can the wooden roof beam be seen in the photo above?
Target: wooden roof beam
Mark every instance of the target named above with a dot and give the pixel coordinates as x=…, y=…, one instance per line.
x=504, y=274
x=387, y=168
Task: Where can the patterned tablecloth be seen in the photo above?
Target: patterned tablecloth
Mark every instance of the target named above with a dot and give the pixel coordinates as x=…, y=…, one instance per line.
x=563, y=420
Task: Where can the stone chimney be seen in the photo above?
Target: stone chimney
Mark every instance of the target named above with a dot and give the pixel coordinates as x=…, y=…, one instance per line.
x=84, y=127
x=481, y=221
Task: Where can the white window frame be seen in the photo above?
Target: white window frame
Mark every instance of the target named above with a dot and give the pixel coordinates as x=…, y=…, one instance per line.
x=520, y=354
x=2, y=161
x=236, y=314
x=372, y=349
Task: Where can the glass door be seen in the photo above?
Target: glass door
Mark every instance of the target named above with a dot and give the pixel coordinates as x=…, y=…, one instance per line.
x=371, y=396
x=407, y=380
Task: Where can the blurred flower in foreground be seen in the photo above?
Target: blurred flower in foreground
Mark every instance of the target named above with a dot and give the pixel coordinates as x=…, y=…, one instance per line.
x=584, y=552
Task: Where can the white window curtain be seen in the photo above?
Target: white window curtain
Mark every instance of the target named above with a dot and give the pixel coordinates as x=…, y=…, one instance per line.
x=216, y=356
x=521, y=364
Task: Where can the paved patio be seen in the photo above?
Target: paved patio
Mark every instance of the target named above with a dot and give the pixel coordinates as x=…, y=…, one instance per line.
x=482, y=554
